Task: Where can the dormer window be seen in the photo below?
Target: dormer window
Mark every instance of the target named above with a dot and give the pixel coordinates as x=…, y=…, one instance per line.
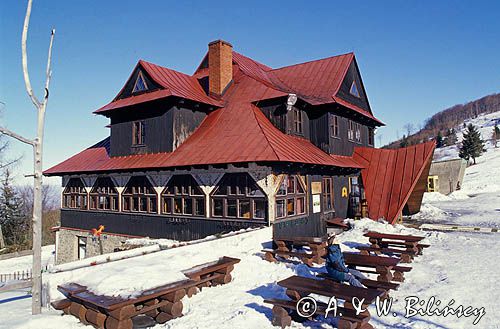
x=298, y=123
x=140, y=84
x=354, y=89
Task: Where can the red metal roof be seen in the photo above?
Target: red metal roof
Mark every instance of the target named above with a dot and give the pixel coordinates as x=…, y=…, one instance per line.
x=237, y=131
x=390, y=176
x=174, y=83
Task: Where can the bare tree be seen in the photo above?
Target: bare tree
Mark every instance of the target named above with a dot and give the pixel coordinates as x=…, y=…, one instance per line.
x=37, y=144
x=409, y=128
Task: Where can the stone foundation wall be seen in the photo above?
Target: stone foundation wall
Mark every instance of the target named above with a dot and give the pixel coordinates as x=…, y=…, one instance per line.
x=67, y=244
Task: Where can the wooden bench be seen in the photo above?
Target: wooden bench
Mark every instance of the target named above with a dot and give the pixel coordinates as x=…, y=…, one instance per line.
x=373, y=284
x=282, y=310
x=405, y=255
x=308, y=259
x=161, y=303
x=298, y=287
x=317, y=245
x=381, y=265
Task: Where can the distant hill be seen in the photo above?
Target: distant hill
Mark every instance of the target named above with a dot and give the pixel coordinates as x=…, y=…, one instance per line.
x=450, y=118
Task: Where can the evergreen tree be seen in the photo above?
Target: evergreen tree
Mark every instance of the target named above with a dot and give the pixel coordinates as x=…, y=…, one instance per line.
x=472, y=144
x=495, y=135
x=451, y=139
x=404, y=141
x=439, y=140
x=15, y=226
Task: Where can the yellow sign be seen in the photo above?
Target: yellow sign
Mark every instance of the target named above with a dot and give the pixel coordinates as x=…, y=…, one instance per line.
x=316, y=187
x=344, y=192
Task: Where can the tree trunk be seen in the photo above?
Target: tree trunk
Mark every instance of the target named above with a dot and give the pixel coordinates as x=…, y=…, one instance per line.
x=2, y=241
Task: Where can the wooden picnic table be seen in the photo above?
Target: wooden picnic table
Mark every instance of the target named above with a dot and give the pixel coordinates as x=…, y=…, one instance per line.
x=162, y=303
x=382, y=265
x=384, y=240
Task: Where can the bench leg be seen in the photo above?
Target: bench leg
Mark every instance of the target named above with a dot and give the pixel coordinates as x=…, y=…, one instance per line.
x=399, y=276
x=96, y=318
x=384, y=274
x=269, y=257
x=79, y=311
x=349, y=305
x=294, y=295
x=406, y=258
x=281, y=317
x=112, y=323
x=345, y=324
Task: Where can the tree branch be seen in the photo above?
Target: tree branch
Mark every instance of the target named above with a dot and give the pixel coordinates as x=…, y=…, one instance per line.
x=20, y=138
x=49, y=71
x=27, y=82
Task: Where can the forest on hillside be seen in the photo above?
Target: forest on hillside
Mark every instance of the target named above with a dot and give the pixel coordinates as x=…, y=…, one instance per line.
x=444, y=121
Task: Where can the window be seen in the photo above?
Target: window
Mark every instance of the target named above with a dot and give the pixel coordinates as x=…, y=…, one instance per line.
x=138, y=133
x=183, y=196
x=82, y=247
x=334, y=126
x=357, y=133
x=291, y=197
x=297, y=121
x=371, y=136
x=238, y=196
x=354, y=89
x=140, y=84
x=139, y=196
x=328, y=194
x=74, y=195
x=433, y=184
x=104, y=195
x=350, y=130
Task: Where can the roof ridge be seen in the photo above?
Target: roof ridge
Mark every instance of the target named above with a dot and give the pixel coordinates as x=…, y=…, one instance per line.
x=314, y=60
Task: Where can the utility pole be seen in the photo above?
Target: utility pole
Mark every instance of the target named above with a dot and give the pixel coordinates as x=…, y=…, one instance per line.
x=37, y=144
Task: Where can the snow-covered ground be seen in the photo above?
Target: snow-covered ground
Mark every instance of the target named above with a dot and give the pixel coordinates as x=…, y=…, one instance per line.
x=24, y=263
x=461, y=267
x=478, y=202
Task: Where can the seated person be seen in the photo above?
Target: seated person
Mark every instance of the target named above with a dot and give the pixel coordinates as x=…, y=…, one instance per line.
x=336, y=268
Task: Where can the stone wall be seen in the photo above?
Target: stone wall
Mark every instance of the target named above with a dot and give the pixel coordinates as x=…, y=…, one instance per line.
x=67, y=244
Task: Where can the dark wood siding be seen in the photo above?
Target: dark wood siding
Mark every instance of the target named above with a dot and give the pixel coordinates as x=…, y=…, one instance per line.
x=166, y=124
x=185, y=121
x=319, y=130
x=153, y=226
x=127, y=89
x=341, y=145
x=157, y=127
x=345, y=88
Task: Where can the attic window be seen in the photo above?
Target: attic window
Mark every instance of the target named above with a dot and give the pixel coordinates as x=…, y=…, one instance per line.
x=354, y=89
x=140, y=84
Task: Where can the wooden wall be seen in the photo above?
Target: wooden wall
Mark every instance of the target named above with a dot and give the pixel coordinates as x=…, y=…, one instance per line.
x=167, y=124
x=153, y=226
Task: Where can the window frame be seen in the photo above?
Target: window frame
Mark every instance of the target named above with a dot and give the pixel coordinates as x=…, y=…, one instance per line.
x=134, y=88
x=105, y=192
x=287, y=197
x=134, y=195
x=357, y=133
x=138, y=133
x=243, y=193
x=74, y=195
x=371, y=136
x=354, y=91
x=350, y=130
x=334, y=126
x=178, y=191
x=298, y=121
x=328, y=207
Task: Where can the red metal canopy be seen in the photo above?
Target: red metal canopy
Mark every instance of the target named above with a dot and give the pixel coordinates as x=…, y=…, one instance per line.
x=391, y=176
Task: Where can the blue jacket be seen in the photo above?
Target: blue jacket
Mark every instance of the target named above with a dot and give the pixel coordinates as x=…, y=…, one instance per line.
x=335, y=265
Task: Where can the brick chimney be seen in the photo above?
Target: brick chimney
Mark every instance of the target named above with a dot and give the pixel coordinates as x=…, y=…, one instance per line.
x=220, y=66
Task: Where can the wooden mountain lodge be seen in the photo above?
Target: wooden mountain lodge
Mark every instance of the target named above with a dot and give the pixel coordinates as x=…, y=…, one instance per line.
x=235, y=145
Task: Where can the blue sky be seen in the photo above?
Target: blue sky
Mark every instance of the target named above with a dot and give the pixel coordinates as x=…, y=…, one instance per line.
x=415, y=57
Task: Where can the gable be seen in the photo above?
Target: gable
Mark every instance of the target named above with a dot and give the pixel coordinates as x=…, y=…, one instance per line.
x=352, y=89
x=139, y=76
